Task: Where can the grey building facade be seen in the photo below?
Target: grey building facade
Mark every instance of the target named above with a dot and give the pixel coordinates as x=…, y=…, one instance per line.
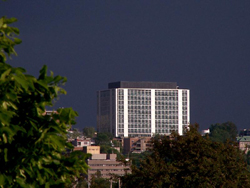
x=132, y=109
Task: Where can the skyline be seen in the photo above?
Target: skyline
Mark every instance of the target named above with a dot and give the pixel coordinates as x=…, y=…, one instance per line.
x=203, y=46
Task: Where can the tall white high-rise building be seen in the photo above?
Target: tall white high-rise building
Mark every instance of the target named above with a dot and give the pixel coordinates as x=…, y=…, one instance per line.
x=131, y=109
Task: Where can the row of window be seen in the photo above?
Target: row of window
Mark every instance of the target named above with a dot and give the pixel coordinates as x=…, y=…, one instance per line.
x=163, y=101
x=157, y=124
x=166, y=116
x=184, y=112
x=137, y=112
x=166, y=98
x=139, y=126
x=166, y=126
x=139, y=134
x=167, y=122
x=184, y=122
x=106, y=169
x=184, y=98
x=139, y=130
x=166, y=107
x=145, y=92
x=106, y=165
x=139, y=98
x=134, y=124
x=184, y=93
x=139, y=121
x=120, y=91
x=166, y=93
x=139, y=92
x=148, y=102
x=139, y=107
x=166, y=130
x=158, y=105
x=167, y=103
x=139, y=116
x=164, y=120
x=166, y=112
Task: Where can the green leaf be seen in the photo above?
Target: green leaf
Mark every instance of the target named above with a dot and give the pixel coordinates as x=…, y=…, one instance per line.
x=4, y=74
x=1, y=22
x=43, y=73
x=10, y=20
x=21, y=81
x=2, y=179
x=5, y=152
x=17, y=40
x=47, y=185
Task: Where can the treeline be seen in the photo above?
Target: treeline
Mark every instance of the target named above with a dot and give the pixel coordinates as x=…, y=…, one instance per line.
x=222, y=132
x=191, y=161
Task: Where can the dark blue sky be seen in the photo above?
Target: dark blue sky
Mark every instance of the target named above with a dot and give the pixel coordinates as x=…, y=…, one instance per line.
x=201, y=45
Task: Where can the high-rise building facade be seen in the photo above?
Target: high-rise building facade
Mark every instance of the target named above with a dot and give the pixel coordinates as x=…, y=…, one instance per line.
x=131, y=109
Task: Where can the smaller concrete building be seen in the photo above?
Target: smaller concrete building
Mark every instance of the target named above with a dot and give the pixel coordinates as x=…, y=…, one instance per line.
x=91, y=149
x=80, y=142
x=107, y=165
x=137, y=145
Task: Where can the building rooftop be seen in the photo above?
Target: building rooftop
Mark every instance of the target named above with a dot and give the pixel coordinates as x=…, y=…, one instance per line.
x=243, y=139
x=154, y=85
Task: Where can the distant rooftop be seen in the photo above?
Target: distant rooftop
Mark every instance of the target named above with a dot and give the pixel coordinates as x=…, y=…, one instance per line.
x=153, y=85
x=243, y=139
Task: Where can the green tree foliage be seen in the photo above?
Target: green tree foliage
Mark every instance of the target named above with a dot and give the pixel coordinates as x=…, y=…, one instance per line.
x=103, y=139
x=190, y=161
x=74, y=134
x=89, y=132
x=98, y=182
x=8, y=38
x=82, y=182
x=110, y=150
x=116, y=143
x=137, y=158
x=248, y=160
x=223, y=132
x=32, y=144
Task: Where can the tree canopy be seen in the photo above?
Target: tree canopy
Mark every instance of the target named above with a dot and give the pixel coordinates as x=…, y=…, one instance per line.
x=89, y=132
x=103, y=139
x=190, y=161
x=223, y=132
x=74, y=133
x=33, y=145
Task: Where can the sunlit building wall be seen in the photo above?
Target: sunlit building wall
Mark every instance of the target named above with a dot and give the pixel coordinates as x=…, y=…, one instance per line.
x=136, y=109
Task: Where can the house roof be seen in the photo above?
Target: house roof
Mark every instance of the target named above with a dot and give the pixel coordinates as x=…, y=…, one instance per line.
x=243, y=139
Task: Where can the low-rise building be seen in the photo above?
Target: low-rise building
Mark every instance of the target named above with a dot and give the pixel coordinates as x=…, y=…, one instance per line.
x=244, y=143
x=137, y=145
x=107, y=165
x=91, y=149
x=80, y=142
